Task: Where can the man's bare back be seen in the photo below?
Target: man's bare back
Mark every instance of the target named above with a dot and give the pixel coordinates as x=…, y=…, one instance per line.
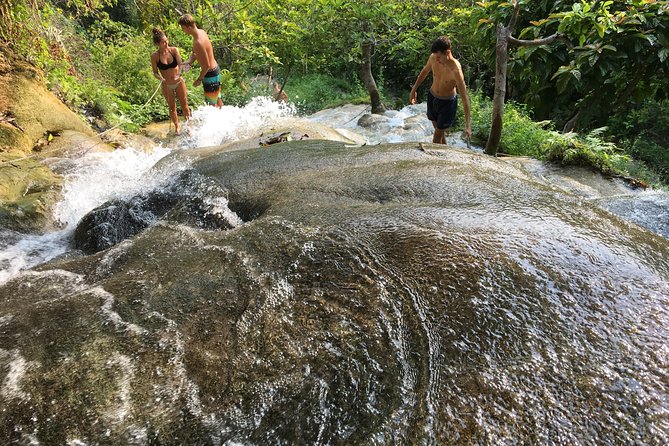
x=203, y=52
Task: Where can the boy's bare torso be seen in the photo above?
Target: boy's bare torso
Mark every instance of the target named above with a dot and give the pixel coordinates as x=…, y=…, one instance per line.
x=445, y=72
x=203, y=50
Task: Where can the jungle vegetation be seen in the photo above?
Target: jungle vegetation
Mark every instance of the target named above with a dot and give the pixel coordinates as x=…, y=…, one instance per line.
x=583, y=82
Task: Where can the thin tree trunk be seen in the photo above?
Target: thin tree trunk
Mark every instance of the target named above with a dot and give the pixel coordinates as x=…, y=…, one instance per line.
x=368, y=78
x=502, y=56
x=504, y=39
x=570, y=125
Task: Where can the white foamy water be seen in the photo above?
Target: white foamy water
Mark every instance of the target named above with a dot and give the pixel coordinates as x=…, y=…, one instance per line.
x=98, y=177
x=123, y=173
x=410, y=124
x=211, y=126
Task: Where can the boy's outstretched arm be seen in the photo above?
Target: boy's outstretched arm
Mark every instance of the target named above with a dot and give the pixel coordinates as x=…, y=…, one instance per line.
x=421, y=77
x=462, y=89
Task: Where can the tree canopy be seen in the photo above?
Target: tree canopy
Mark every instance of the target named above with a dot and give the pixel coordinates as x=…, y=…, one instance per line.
x=609, y=49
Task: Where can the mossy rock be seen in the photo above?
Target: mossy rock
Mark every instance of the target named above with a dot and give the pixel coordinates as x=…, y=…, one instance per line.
x=28, y=191
x=73, y=144
x=118, y=138
x=12, y=138
x=28, y=110
x=38, y=111
x=160, y=132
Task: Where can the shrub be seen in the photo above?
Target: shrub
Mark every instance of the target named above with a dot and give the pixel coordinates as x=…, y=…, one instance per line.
x=644, y=132
x=313, y=92
x=127, y=67
x=520, y=135
x=589, y=150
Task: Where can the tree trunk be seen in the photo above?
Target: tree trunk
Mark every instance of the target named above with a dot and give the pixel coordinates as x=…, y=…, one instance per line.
x=502, y=56
x=368, y=79
x=570, y=125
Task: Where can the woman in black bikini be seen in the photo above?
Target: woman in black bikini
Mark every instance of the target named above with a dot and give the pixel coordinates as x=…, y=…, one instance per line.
x=166, y=64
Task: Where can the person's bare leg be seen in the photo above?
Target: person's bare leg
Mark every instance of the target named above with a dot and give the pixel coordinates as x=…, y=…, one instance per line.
x=183, y=100
x=172, y=104
x=439, y=136
x=434, y=136
x=219, y=103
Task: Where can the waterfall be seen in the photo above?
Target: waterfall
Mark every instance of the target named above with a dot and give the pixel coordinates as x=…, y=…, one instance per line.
x=402, y=293
x=123, y=173
x=101, y=176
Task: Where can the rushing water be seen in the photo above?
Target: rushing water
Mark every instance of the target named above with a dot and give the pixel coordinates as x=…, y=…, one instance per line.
x=101, y=176
x=374, y=295
x=96, y=178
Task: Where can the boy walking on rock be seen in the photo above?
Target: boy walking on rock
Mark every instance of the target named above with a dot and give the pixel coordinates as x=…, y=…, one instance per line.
x=442, y=99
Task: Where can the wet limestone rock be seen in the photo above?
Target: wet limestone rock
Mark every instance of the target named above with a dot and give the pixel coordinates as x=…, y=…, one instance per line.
x=74, y=144
x=34, y=124
x=33, y=111
x=374, y=121
x=28, y=190
x=186, y=200
x=109, y=224
x=119, y=139
x=160, y=132
x=379, y=295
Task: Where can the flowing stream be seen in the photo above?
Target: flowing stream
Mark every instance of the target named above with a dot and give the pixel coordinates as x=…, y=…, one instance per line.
x=371, y=291
x=99, y=177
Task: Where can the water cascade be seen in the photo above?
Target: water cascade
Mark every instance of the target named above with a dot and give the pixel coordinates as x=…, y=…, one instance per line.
x=367, y=290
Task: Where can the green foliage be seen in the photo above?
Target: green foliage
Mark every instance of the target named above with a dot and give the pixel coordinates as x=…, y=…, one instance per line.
x=96, y=79
x=407, y=52
x=521, y=135
x=103, y=28
x=593, y=151
x=126, y=66
x=589, y=150
x=644, y=132
x=639, y=170
x=481, y=116
x=313, y=92
x=653, y=155
x=609, y=49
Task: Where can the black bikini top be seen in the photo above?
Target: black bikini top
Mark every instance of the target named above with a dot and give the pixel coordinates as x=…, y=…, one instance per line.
x=161, y=66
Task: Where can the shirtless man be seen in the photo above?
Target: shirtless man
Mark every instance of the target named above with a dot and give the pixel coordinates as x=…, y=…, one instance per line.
x=203, y=52
x=442, y=100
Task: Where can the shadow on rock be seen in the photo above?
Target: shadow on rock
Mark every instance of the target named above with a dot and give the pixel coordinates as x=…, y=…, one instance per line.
x=189, y=200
